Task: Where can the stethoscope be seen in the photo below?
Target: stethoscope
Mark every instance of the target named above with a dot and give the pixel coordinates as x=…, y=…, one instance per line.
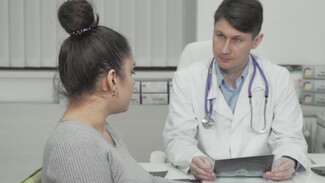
x=208, y=122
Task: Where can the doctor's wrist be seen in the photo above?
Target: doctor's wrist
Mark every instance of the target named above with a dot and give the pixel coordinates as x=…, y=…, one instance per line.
x=296, y=162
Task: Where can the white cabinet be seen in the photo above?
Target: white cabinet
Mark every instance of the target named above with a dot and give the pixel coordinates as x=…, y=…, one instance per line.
x=320, y=135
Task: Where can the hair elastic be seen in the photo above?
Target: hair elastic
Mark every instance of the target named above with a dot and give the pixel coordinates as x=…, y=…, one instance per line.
x=79, y=32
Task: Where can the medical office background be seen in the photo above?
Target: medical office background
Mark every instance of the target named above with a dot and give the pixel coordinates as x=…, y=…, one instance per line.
x=158, y=31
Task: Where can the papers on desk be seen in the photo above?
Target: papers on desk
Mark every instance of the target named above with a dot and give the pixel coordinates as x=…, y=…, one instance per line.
x=156, y=169
x=317, y=158
x=172, y=172
x=253, y=166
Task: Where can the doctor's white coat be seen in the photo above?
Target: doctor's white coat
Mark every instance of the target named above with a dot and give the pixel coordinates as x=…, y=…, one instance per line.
x=231, y=136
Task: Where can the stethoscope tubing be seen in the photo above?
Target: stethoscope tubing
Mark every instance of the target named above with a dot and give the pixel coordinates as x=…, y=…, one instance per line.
x=208, y=112
x=208, y=109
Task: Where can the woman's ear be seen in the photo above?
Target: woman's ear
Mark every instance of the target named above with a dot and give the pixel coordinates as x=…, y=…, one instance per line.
x=109, y=81
x=257, y=40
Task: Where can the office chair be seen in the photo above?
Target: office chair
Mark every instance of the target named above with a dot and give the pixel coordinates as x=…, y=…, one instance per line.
x=34, y=177
x=157, y=157
x=194, y=52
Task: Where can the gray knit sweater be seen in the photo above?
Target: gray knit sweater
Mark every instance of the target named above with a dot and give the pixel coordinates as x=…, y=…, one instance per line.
x=75, y=152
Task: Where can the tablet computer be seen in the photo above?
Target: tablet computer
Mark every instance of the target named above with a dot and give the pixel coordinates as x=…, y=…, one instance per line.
x=253, y=166
x=319, y=170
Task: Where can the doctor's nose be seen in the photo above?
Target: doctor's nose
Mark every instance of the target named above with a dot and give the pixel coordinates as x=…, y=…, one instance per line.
x=225, y=49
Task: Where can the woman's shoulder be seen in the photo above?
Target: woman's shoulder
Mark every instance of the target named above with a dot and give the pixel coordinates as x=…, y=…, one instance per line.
x=70, y=134
x=71, y=128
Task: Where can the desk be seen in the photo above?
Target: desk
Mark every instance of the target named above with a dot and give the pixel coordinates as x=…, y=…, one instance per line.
x=174, y=173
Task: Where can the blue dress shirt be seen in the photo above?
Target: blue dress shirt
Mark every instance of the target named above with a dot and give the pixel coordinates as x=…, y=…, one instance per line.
x=231, y=94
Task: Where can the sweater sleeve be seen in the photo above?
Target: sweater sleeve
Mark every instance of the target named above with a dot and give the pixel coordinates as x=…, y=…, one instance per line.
x=77, y=159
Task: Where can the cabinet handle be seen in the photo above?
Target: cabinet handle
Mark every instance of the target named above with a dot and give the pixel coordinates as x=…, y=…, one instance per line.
x=323, y=145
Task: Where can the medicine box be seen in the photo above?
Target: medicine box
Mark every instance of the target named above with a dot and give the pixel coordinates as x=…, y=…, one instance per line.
x=154, y=86
x=313, y=85
x=313, y=71
x=135, y=98
x=154, y=98
x=313, y=99
x=136, y=87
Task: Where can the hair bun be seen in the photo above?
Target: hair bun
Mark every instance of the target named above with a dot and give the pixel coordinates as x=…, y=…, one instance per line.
x=76, y=15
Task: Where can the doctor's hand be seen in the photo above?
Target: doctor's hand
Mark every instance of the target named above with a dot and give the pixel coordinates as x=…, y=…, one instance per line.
x=283, y=169
x=201, y=168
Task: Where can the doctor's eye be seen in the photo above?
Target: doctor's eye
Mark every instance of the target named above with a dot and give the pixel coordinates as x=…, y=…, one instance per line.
x=237, y=40
x=219, y=36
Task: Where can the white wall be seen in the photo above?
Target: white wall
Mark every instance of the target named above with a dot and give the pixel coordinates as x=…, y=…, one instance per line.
x=205, y=13
x=293, y=30
x=24, y=128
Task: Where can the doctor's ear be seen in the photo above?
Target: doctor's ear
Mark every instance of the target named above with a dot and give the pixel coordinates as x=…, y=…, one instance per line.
x=257, y=40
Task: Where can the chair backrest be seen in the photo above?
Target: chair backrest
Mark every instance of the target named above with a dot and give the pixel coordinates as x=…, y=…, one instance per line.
x=157, y=157
x=194, y=52
x=34, y=177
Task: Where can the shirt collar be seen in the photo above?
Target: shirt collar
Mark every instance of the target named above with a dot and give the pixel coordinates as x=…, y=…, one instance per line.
x=220, y=78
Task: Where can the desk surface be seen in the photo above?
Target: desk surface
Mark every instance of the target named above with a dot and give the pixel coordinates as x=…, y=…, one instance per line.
x=174, y=173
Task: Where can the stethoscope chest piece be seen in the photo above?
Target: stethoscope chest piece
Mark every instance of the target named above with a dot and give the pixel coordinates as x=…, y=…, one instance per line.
x=207, y=122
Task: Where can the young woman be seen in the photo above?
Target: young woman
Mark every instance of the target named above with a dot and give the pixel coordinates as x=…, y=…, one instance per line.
x=95, y=68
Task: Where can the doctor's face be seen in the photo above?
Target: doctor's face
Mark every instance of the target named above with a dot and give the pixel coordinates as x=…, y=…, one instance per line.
x=231, y=47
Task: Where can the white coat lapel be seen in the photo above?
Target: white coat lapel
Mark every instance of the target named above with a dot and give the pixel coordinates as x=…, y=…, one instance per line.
x=258, y=89
x=220, y=105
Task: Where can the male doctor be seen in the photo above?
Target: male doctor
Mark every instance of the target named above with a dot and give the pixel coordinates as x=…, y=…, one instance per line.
x=271, y=124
